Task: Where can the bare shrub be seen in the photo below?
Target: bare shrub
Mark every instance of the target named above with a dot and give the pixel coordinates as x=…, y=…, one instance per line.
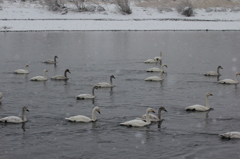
x=80, y=5
x=185, y=8
x=55, y=5
x=123, y=6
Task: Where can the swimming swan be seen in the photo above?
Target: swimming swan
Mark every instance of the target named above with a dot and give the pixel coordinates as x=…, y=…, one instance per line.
x=159, y=58
x=230, y=135
x=85, y=119
x=50, y=61
x=22, y=71
x=213, y=73
x=155, y=69
x=155, y=78
x=230, y=81
x=139, y=123
x=153, y=117
x=61, y=77
x=40, y=78
x=200, y=108
x=87, y=96
x=105, y=84
x=16, y=119
x=151, y=61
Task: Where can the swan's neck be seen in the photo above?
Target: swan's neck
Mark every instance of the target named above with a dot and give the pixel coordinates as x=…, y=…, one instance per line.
x=147, y=118
x=93, y=115
x=159, y=115
x=26, y=67
x=44, y=74
x=23, y=115
x=218, y=70
x=55, y=59
x=93, y=91
x=65, y=73
x=235, y=79
x=161, y=73
x=111, y=81
x=207, y=102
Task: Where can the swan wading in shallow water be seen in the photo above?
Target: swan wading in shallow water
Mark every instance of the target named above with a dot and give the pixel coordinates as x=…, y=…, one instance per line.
x=22, y=71
x=61, y=77
x=85, y=119
x=230, y=81
x=40, y=78
x=200, y=108
x=151, y=61
x=50, y=61
x=155, y=69
x=154, y=118
x=159, y=58
x=87, y=96
x=213, y=73
x=139, y=123
x=155, y=78
x=105, y=84
x=16, y=119
x=230, y=135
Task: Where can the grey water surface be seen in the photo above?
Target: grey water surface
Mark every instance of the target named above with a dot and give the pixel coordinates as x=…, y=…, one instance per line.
x=92, y=57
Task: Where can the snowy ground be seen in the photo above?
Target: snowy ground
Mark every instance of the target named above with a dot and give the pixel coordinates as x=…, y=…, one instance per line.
x=34, y=17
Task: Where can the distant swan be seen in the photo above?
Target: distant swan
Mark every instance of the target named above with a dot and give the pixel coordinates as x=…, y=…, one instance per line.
x=151, y=61
x=50, y=61
x=40, y=78
x=139, y=123
x=155, y=78
x=200, y=108
x=230, y=81
x=105, y=84
x=0, y=96
x=87, y=96
x=15, y=119
x=85, y=119
x=159, y=58
x=230, y=135
x=155, y=69
x=213, y=73
x=61, y=77
x=22, y=71
x=154, y=117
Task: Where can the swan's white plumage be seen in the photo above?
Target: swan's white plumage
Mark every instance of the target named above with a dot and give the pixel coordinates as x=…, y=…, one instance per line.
x=198, y=107
x=22, y=71
x=159, y=58
x=231, y=135
x=230, y=81
x=155, y=78
x=105, y=84
x=40, y=78
x=50, y=61
x=87, y=96
x=137, y=122
x=61, y=77
x=152, y=117
x=213, y=73
x=155, y=69
x=85, y=119
x=151, y=61
x=16, y=119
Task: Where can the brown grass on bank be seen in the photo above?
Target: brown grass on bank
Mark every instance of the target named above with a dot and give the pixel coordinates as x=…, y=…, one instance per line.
x=200, y=4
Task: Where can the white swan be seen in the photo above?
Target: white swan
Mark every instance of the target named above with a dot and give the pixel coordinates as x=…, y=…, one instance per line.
x=230, y=81
x=230, y=135
x=151, y=61
x=155, y=69
x=61, y=77
x=105, y=84
x=16, y=119
x=153, y=117
x=50, y=61
x=155, y=78
x=159, y=58
x=40, y=78
x=0, y=96
x=200, y=108
x=139, y=123
x=22, y=71
x=85, y=119
x=213, y=73
x=87, y=96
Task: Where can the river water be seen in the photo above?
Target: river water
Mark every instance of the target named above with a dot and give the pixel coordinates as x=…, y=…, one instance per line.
x=92, y=57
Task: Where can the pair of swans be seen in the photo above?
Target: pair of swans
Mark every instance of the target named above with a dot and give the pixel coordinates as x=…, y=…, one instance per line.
x=105, y=84
x=85, y=119
x=152, y=117
x=50, y=61
x=40, y=78
x=16, y=119
x=139, y=123
x=230, y=81
x=200, y=108
x=213, y=73
x=156, y=69
x=61, y=77
x=155, y=60
x=22, y=71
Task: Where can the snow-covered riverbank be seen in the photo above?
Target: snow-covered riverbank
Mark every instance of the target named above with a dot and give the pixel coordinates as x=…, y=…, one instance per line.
x=18, y=16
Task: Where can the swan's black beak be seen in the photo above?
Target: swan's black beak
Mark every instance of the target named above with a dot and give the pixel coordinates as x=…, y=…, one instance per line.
x=99, y=111
x=153, y=111
x=27, y=110
x=165, y=110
